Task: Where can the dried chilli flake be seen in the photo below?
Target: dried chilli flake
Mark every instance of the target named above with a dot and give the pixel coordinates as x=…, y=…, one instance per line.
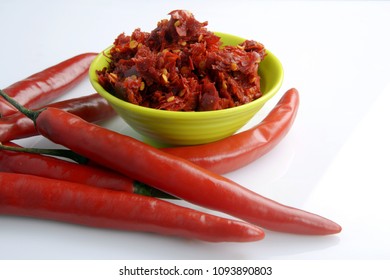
x=181, y=66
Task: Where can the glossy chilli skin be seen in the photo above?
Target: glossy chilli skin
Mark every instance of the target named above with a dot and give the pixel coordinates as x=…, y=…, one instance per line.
x=92, y=108
x=240, y=149
x=175, y=175
x=43, y=87
x=51, y=167
x=38, y=197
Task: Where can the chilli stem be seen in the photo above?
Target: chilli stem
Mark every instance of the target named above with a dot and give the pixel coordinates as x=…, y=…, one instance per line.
x=28, y=113
x=51, y=152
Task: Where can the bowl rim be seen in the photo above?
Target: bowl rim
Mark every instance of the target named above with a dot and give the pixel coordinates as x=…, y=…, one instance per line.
x=187, y=114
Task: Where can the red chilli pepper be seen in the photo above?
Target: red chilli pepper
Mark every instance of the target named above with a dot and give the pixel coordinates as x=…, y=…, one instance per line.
x=91, y=108
x=33, y=196
x=51, y=167
x=43, y=87
x=170, y=174
x=240, y=149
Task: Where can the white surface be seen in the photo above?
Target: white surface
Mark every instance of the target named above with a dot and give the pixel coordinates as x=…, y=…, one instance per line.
x=334, y=161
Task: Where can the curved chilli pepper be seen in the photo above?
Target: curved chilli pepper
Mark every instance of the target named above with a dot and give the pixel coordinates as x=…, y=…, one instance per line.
x=240, y=149
x=92, y=108
x=43, y=87
x=51, y=167
x=172, y=174
x=38, y=197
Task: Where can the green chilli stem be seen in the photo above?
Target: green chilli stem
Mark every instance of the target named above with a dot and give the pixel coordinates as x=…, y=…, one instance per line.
x=51, y=152
x=146, y=190
x=33, y=115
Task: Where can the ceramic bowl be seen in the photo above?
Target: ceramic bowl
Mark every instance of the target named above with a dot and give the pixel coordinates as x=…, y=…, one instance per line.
x=192, y=128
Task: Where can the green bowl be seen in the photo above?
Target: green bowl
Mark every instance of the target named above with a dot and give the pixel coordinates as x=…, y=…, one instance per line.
x=192, y=128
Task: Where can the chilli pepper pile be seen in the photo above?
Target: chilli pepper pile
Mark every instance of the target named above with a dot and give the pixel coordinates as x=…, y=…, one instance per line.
x=125, y=184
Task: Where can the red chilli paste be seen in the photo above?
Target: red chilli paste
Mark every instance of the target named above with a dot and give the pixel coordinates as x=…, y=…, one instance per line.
x=181, y=66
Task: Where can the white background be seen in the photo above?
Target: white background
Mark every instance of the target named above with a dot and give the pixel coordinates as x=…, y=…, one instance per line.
x=334, y=161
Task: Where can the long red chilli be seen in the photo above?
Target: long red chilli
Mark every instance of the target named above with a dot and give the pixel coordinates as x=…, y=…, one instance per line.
x=38, y=197
x=51, y=167
x=43, y=87
x=240, y=149
x=92, y=108
x=172, y=174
